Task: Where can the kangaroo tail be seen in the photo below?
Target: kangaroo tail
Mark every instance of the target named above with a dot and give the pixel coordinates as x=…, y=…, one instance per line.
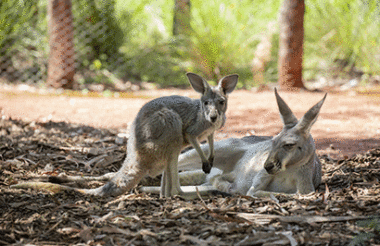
x=54, y=188
x=63, y=178
x=121, y=182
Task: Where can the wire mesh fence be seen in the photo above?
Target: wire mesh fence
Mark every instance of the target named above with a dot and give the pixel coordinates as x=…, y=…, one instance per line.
x=62, y=43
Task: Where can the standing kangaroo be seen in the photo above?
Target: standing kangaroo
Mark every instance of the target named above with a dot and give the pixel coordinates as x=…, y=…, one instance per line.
x=256, y=166
x=161, y=129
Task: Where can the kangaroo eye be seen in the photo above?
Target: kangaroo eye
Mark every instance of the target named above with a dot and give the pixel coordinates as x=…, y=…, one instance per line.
x=206, y=103
x=222, y=102
x=288, y=146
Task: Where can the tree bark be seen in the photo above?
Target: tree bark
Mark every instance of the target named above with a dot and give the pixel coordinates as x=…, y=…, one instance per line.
x=61, y=67
x=291, y=44
x=181, y=21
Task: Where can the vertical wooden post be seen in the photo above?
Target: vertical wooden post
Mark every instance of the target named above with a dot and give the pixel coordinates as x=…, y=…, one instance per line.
x=61, y=67
x=291, y=44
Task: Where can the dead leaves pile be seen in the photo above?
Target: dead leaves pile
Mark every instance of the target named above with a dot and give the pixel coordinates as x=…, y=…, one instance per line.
x=350, y=192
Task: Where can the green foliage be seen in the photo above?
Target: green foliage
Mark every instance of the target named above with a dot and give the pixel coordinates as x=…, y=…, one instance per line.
x=218, y=42
x=225, y=34
x=271, y=70
x=150, y=52
x=133, y=40
x=160, y=63
x=345, y=31
x=97, y=30
x=23, y=46
x=14, y=14
x=97, y=39
x=363, y=238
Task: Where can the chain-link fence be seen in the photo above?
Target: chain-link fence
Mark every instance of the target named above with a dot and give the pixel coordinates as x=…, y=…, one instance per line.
x=107, y=43
x=63, y=43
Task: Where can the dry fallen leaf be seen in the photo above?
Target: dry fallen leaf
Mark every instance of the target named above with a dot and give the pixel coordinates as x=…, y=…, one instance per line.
x=351, y=192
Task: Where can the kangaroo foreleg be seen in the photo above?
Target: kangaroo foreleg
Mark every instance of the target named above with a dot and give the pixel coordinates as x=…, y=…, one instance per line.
x=206, y=165
x=259, y=183
x=210, y=140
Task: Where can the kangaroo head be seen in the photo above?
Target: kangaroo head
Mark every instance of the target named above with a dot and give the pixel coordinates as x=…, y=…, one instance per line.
x=294, y=145
x=214, y=98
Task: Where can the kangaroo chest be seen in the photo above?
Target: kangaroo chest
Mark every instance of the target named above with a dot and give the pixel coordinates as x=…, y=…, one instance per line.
x=283, y=182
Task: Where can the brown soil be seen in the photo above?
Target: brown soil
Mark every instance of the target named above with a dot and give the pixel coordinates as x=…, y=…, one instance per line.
x=348, y=122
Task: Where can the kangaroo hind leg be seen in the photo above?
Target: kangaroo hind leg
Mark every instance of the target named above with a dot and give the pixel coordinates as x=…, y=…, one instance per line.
x=124, y=180
x=170, y=181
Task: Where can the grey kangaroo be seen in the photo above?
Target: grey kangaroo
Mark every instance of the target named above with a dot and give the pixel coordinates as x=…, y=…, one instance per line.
x=259, y=166
x=161, y=129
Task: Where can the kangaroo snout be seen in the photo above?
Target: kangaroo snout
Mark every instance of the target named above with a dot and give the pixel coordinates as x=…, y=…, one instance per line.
x=272, y=166
x=269, y=166
x=213, y=118
x=212, y=115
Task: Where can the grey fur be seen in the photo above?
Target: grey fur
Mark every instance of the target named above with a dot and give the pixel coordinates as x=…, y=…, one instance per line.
x=258, y=166
x=162, y=128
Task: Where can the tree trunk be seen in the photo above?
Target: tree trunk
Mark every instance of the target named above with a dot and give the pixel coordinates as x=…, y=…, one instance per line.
x=61, y=67
x=181, y=21
x=291, y=44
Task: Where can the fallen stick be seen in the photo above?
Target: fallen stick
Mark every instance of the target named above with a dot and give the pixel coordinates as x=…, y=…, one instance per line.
x=310, y=219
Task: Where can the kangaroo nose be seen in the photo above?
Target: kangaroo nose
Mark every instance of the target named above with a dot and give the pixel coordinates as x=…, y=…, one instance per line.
x=269, y=166
x=213, y=118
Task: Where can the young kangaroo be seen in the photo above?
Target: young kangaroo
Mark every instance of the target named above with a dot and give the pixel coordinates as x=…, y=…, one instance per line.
x=256, y=166
x=161, y=129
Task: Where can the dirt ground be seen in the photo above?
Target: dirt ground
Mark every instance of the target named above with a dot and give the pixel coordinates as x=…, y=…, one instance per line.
x=348, y=123
x=44, y=135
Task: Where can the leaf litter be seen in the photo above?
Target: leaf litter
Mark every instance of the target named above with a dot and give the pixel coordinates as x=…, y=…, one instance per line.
x=350, y=192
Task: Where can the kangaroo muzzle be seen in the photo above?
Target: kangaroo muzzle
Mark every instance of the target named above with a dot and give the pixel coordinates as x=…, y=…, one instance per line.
x=272, y=166
x=212, y=114
x=269, y=167
x=214, y=117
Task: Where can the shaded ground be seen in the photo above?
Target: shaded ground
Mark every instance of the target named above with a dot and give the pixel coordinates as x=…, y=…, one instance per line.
x=350, y=192
x=89, y=145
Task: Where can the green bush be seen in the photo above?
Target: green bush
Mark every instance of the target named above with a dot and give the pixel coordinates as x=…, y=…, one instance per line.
x=133, y=40
x=344, y=31
x=14, y=15
x=159, y=63
x=97, y=32
x=225, y=34
x=150, y=52
x=23, y=43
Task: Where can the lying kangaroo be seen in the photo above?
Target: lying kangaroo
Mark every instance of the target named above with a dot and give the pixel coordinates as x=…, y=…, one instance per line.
x=162, y=128
x=256, y=166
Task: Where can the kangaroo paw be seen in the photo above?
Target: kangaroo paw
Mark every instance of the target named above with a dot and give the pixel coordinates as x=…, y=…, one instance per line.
x=58, y=179
x=206, y=167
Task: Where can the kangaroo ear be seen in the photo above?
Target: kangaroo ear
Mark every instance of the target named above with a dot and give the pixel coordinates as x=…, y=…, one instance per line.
x=228, y=83
x=198, y=83
x=286, y=113
x=310, y=117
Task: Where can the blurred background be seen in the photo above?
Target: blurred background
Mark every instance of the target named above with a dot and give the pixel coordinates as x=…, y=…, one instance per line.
x=127, y=45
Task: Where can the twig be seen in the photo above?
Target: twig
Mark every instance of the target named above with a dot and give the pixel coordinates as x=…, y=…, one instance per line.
x=300, y=219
